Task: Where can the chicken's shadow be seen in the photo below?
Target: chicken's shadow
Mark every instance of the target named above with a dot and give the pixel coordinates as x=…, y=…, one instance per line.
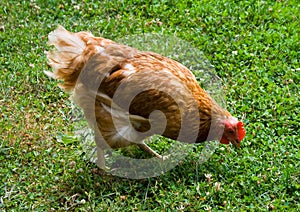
x=103, y=185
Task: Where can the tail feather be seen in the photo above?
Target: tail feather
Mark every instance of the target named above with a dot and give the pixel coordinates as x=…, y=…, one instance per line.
x=66, y=41
x=67, y=58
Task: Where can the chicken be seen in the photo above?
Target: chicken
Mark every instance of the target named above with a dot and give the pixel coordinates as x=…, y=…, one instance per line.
x=128, y=95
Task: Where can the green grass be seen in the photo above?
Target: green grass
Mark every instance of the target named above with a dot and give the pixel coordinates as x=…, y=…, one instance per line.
x=254, y=46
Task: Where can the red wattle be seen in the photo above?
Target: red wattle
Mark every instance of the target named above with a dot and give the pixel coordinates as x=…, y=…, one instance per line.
x=224, y=141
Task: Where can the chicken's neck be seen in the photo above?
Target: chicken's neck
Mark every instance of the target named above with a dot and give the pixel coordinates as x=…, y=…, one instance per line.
x=211, y=117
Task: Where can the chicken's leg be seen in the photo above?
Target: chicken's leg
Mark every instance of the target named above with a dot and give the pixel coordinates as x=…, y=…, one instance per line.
x=100, y=158
x=100, y=146
x=148, y=149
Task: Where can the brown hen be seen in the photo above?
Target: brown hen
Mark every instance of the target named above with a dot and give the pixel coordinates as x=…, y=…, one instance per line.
x=128, y=95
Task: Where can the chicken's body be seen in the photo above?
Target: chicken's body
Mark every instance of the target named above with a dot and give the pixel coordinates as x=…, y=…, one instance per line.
x=121, y=90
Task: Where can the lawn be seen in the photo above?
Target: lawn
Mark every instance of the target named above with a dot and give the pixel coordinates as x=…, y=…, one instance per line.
x=254, y=48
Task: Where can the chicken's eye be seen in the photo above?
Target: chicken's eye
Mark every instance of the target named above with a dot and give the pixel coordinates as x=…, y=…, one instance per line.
x=230, y=131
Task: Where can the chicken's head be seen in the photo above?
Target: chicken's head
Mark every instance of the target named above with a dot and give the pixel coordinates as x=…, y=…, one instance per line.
x=234, y=132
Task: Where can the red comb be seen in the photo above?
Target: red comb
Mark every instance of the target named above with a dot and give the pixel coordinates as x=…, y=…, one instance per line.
x=241, y=130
